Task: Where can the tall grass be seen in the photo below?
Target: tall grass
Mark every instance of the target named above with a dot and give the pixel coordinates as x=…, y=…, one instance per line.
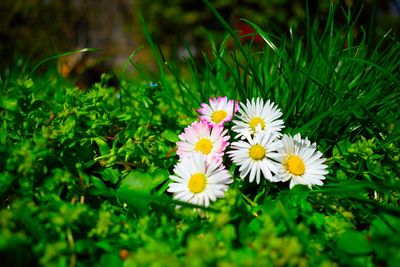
x=331, y=85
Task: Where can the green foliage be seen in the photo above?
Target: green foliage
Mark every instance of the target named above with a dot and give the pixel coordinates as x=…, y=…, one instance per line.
x=84, y=173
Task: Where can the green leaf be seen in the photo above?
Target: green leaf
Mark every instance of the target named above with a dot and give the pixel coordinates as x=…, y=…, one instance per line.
x=111, y=259
x=3, y=133
x=69, y=124
x=28, y=83
x=385, y=239
x=170, y=136
x=5, y=182
x=111, y=175
x=98, y=188
x=134, y=190
x=159, y=176
x=8, y=104
x=341, y=175
x=297, y=197
x=353, y=242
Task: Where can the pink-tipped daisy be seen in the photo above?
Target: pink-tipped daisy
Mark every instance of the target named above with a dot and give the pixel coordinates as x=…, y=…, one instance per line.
x=219, y=111
x=257, y=116
x=300, y=162
x=254, y=157
x=198, y=182
x=200, y=137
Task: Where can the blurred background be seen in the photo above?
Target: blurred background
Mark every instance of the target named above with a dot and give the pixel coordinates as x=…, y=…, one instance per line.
x=35, y=29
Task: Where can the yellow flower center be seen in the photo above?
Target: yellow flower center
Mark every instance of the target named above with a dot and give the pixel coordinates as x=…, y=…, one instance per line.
x=257, y=152
x=218, y=116
x=295, y=165
x=197, y=183
x=204, y=145
x=255, y=122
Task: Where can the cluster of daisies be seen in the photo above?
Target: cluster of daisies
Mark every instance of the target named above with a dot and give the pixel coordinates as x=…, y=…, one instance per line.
x=260, y=151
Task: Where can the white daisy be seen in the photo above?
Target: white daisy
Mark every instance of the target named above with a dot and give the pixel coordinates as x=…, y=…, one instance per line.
x=219, y=111
x=300, y=162
x=200, y=137
x=255, y=155
x=258, y=116
x=198, y=182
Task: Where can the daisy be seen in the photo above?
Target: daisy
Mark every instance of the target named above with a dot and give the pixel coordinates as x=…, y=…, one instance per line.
x=200, y=137
x=198, y=182
x=255, y=155
x=300, y=162
x=257, y=116
x=219, y=111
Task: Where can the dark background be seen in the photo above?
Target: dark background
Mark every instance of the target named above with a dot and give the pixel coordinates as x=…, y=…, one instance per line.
x=31, y=30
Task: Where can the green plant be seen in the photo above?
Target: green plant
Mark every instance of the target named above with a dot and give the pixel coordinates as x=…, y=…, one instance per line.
x=84, y=173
